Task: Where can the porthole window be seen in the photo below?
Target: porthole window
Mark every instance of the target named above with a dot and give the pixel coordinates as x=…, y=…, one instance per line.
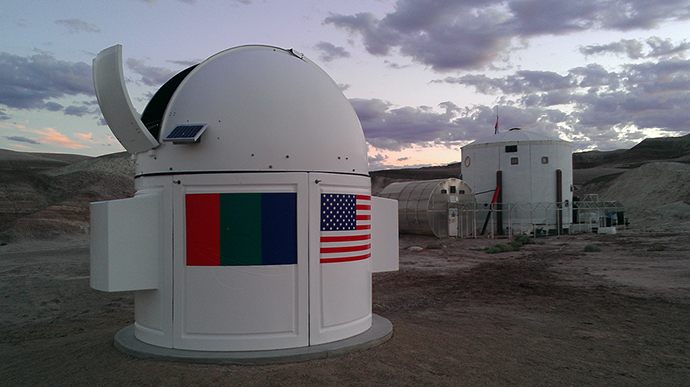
x=544, y=160
x=467, y=161
x=513, y=160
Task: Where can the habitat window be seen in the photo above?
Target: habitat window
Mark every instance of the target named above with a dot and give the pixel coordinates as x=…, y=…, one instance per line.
x=453, y=189
x=513, y=161
x=511, y=148
x=544, y=160
x=443, y=191
x=462, y=192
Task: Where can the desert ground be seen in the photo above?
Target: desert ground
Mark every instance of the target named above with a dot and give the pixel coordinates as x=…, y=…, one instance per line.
x=551, y=314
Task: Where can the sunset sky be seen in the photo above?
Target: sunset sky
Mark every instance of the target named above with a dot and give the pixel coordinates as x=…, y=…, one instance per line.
x=425, y=77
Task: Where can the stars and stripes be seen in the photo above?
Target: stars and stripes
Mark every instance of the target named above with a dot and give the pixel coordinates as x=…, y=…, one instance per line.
x=345, y=227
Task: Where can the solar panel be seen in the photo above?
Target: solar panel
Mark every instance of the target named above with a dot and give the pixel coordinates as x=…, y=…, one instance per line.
x=185, y=134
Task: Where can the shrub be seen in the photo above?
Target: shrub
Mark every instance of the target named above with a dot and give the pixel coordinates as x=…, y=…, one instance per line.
x=432, y=246
x=500, y=248
x=523, y=240
x=591, y=249
x=657, y=248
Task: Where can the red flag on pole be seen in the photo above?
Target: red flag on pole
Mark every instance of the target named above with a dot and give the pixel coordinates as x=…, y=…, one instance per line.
x=496, y=126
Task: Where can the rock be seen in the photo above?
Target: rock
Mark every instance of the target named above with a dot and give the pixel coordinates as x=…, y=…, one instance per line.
x=45, y=197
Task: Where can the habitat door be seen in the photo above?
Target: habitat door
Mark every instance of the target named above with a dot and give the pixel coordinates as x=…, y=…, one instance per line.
x=240, y=261
x=340, y=256
x=452, y=222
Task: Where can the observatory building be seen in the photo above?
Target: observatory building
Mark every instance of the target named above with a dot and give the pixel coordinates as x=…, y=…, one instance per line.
x=533, y=173
x=253, y=226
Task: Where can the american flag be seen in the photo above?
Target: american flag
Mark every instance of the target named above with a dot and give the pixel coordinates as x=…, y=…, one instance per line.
x=345, y=227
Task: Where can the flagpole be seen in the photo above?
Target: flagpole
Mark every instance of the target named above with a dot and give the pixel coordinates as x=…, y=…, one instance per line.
x=496, y=126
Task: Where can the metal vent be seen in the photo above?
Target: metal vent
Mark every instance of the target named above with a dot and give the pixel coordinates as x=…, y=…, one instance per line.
x=186, y=134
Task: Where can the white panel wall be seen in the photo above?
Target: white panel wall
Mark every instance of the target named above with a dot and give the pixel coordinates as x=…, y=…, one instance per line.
x=384, y=235
x=339, y=293
x=125, y=243
x=238, y=308
x=153, y=308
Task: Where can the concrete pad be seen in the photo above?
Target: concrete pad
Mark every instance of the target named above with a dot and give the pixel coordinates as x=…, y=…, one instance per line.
x=381, y=331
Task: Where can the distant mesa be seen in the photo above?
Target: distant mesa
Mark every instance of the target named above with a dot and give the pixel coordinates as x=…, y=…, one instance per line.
x=45, y=195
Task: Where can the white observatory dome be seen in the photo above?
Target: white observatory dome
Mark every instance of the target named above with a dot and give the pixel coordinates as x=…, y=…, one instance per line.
x=252, y=100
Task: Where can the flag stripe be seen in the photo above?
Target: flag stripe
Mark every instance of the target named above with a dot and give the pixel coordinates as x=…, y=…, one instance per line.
x=344, y=249
x=345, y=238
x=346, y=259
x=279, y=228
x=240, y=229
x=203, y=230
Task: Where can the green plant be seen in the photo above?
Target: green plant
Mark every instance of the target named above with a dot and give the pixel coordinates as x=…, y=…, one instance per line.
x=432, y=246
x=499, y=248
x=523, y=240
x=657, y=248
x=591, y=249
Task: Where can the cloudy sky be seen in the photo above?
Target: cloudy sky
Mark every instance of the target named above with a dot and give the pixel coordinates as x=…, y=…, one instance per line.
x=425, y=76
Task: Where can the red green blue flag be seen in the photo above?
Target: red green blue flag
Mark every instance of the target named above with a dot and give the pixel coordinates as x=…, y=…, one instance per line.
x=240, y=229
x=345, y=228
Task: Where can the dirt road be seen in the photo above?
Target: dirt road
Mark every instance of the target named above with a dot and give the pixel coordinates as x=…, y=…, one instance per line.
x=549, y=315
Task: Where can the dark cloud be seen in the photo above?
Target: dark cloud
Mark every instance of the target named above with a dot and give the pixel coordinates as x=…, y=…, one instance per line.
x=592, y=106
x=521, y=82
x=150, y=76
x=22, y=139
x=635, y=49
x=329, y=52
x=53, y=106
x=186, y=63
x=77, y=25
x=398, y=128
x=628, y=47
x=28, y=82
x=469, y=34
x=3, y=115
x=379, y=162
x=395, y=66
x=606, y=108
x=78, y=111
x=661, y=47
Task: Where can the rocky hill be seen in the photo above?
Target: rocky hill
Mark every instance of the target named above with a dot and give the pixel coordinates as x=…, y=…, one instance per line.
x=47, y=195
x=648, y=150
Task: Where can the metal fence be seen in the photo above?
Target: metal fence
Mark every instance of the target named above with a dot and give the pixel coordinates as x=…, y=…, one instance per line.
x=537, y=219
